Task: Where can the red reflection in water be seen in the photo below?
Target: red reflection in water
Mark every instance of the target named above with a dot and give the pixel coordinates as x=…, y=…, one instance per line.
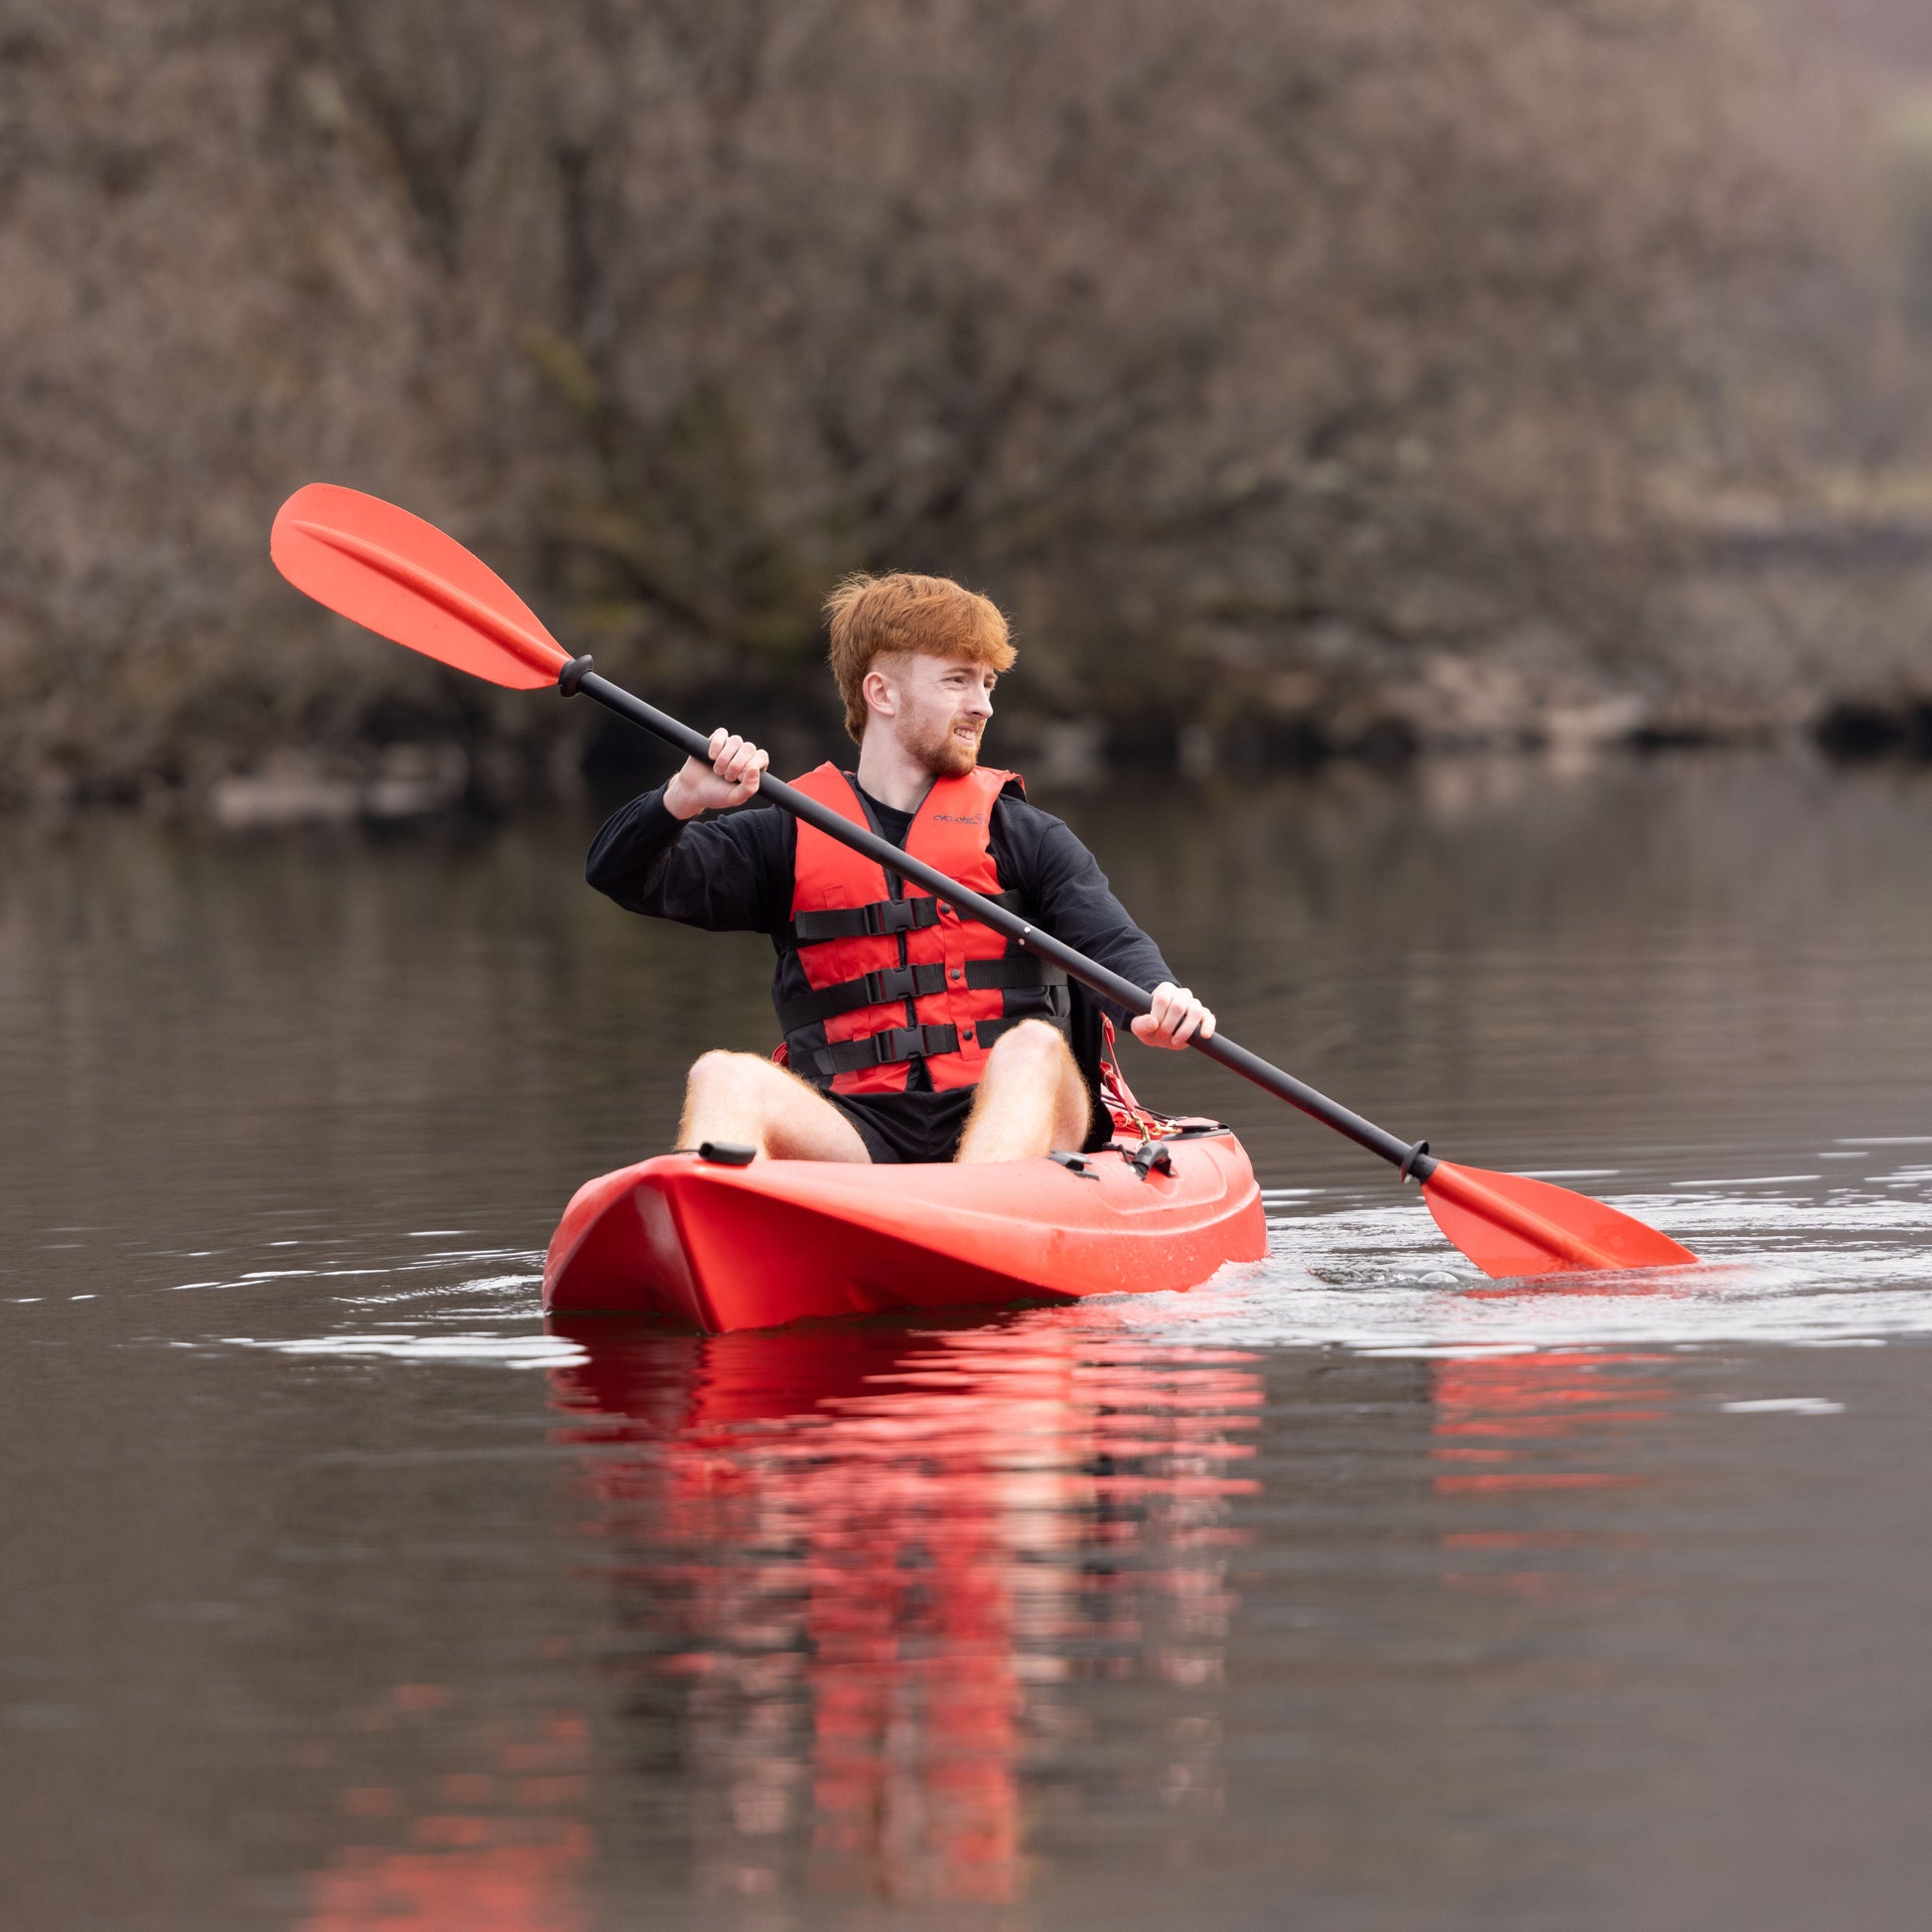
x=1509, y=1429
x=493, y=1848
x=862, y=1560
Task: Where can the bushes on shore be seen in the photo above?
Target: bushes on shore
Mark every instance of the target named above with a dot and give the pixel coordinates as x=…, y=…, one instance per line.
x=1300, y=379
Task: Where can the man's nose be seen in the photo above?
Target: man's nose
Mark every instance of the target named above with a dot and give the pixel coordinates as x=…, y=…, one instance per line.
x=980, y=703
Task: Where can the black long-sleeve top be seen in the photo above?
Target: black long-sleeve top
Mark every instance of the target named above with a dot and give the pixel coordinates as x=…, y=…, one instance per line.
x=734, y=874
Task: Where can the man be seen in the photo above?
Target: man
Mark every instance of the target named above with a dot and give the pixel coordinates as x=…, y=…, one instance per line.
x=910, y=1034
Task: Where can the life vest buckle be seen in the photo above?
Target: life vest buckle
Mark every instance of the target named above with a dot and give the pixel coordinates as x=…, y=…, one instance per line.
x=891, y=983
x=887, y=916
x=912, y=1042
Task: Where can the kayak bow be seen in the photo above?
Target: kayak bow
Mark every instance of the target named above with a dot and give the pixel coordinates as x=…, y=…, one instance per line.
x=723, y=1247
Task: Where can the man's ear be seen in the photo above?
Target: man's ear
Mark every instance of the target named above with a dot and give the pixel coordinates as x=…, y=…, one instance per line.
x=880, y=693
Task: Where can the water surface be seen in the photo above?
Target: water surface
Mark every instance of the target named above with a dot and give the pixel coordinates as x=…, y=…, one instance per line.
x=1348, y=1591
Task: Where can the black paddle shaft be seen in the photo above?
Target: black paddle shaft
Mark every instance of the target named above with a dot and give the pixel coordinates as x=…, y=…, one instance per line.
x=1407, y=1159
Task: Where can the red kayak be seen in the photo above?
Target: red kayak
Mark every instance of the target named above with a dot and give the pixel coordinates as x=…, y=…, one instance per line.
x=723, y=1247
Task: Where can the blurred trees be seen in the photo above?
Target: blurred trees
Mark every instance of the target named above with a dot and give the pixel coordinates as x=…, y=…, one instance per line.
x=1298, y=375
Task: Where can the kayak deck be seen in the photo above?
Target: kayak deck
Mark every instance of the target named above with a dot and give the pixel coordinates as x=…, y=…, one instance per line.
x=725, y=1248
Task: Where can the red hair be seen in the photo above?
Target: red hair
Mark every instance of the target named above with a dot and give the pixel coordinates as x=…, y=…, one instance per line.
x=931, y=615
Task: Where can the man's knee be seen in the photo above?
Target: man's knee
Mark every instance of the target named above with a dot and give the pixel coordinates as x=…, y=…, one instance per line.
x=1032, y=1045
x=722, y=1070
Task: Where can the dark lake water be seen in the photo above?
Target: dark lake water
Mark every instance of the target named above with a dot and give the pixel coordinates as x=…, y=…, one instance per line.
x=1345, y=1592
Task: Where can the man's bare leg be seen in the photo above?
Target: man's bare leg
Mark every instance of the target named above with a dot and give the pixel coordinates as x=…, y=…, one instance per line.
x=1030, y=1098
x=757, y=1103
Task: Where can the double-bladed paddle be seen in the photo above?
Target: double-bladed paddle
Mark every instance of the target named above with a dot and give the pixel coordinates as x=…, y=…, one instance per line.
x=405, y=579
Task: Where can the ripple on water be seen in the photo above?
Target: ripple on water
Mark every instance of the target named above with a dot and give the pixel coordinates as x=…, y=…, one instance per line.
x=1851, y=1265
x=500, y=1351
x=426, y=1308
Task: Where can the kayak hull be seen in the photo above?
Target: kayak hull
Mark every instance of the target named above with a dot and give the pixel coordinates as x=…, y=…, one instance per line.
x=722, y=1248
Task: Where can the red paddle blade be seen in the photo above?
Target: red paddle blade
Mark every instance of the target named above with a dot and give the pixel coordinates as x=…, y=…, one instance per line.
x=1509, y=1225
x=405, y=579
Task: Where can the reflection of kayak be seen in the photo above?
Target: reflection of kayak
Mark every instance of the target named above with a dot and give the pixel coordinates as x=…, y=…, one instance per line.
x=871, y=1577
x=748, y=1247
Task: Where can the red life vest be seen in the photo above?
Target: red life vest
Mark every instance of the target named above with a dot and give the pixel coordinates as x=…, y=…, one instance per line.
x=896, y=974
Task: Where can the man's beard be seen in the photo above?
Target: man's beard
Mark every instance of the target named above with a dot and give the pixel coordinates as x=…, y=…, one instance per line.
x=944, y=755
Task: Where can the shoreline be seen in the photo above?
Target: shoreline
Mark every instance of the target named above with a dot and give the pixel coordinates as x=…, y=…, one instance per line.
x=440, y=781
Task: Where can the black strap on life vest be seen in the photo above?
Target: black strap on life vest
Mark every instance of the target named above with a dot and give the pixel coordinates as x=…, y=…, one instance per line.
x=896, y=1044
x=913, y=982
x=883, y=916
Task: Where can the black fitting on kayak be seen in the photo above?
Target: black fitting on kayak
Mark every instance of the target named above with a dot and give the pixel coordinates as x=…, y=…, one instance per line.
x=1153, y=1159
x=573, y=674
x=727, y=1154
x=1073, y=1163
x=1418, y=1152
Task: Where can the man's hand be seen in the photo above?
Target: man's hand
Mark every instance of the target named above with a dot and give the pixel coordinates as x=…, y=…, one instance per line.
x=729, y=780
x=1176, y=1019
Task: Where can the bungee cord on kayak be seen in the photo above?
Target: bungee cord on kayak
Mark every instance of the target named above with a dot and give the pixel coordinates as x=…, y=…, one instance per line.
x=974, y=975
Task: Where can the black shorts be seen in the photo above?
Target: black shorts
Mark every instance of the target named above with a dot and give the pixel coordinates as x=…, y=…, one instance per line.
x=907, y=1127
x=915, y=1127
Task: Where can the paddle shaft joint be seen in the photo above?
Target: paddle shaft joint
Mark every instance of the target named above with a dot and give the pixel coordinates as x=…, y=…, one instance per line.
x=1410, y=1158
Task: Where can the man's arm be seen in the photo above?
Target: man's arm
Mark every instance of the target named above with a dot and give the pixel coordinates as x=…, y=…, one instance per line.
x=730, y=876
x=1071, y=899
x=727, y=874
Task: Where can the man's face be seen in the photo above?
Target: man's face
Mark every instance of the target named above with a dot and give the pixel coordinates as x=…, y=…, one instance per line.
x=941, y=709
